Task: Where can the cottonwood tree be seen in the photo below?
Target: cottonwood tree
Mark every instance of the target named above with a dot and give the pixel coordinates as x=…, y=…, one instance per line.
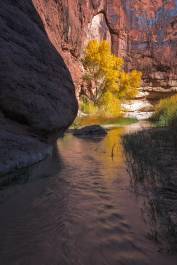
x=105, y=78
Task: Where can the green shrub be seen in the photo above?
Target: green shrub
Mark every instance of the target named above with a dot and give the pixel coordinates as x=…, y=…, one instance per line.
x=108, y=107
x=88, y=107
x=166, y=112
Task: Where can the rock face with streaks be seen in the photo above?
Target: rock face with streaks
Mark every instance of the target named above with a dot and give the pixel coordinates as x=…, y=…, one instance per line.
x=143, y=32
x=152, y=43
x=150, y=46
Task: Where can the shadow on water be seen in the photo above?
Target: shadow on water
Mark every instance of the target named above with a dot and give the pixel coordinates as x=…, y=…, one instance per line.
x=17, y=181
x=152, y=164
x=84, y=214
x=46, y=168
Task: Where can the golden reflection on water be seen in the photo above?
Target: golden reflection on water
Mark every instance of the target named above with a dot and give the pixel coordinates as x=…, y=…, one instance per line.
x=80, y=213
x=112, y=154
x=103, y=156
x=112, y=146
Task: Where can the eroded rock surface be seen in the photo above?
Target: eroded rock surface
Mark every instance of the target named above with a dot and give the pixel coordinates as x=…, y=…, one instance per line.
x=36, y=88
x=143, y=32
x=19, y=147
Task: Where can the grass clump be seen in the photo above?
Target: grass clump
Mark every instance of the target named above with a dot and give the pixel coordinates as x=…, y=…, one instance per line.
x=88, y=107
x=166, y=112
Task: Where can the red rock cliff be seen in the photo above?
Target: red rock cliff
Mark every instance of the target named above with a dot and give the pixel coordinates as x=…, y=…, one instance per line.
x=142, y=31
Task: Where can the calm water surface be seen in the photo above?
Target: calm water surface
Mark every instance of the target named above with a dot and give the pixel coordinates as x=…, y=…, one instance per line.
x=77, y=209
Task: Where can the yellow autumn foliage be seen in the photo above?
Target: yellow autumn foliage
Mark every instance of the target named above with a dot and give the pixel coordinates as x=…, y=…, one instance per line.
x=129, y=84
x=109, y=105
x=105, y=77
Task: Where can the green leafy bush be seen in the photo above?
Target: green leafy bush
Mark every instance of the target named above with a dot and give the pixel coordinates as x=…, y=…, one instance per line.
x=110, y=106
x=166, y=112
x=87, y=106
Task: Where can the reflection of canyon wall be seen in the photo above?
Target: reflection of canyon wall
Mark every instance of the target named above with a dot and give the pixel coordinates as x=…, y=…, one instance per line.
x=143, y=32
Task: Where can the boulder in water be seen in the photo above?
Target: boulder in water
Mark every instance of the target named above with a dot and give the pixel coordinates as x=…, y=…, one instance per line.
x=90, y=131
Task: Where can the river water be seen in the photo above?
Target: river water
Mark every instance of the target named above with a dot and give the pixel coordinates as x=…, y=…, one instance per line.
x=77, y=208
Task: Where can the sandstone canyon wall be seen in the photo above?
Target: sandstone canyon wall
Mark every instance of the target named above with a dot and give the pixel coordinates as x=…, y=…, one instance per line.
x=144, y=32
x=37, y=95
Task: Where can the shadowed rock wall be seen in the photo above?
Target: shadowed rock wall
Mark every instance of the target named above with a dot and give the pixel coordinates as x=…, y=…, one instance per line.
x=37, y=95
x=35, y=85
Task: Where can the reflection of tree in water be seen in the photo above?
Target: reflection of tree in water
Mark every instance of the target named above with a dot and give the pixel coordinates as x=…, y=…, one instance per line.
x=113, y=146
x=106, y=153
x=151, y=157
x=110, y=152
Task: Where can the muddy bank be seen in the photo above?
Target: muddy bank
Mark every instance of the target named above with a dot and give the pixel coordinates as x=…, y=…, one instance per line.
x=152, y=162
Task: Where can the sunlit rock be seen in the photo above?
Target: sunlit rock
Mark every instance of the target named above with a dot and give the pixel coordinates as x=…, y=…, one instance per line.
x=98, y=29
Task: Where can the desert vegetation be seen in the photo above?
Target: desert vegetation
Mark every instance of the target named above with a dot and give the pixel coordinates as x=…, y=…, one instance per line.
x=166, y=112
x=105, y=83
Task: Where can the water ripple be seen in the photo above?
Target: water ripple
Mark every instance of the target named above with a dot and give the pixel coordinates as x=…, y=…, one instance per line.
x=83, y=215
